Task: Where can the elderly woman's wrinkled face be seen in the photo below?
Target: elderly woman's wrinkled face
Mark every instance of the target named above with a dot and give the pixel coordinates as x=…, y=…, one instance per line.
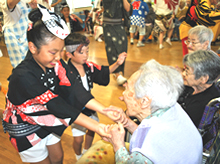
x=193, y=44
x=131, y=102
x=189, y=77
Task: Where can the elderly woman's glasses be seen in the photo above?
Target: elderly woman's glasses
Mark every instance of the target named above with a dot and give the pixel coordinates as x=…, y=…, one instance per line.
x=186, y=72
x=188, y=42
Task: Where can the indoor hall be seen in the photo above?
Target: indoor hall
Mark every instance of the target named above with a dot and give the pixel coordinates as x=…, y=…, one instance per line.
x=169, y=55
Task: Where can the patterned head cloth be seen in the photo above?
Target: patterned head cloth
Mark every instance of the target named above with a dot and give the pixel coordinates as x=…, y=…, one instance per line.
x=63, y=5
x=51, y=21
x=72, y=48
x=75, y=41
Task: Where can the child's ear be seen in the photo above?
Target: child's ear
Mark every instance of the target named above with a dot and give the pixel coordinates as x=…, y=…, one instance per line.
x=68, y=54
x=32, y=47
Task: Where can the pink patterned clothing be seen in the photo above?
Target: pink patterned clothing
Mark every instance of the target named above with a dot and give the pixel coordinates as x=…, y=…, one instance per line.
x=165, y=7
x=37, y=103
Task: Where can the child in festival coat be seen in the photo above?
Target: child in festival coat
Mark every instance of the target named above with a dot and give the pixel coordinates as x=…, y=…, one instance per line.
x=37, y=112
x=72, y=20
x=87, y=73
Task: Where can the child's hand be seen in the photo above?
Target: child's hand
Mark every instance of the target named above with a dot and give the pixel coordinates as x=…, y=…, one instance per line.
x=121, y=58
x=102, y=131
x=73, y=15
x=121, y=98
x=33, y=4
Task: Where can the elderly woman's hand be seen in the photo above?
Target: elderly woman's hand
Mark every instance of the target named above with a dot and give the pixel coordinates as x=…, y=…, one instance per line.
x=116, y=114
x=117, y=133
x=102, y=131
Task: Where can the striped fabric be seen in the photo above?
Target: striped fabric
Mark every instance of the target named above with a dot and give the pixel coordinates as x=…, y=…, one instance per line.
x=202, y=10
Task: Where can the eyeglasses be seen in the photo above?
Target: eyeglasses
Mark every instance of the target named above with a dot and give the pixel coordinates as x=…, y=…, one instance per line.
x=186, y=72
x=188, y=42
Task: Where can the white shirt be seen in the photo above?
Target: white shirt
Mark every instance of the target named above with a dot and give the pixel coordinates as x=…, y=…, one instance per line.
x=161, y=8
x=12, y=16
x=85, y=82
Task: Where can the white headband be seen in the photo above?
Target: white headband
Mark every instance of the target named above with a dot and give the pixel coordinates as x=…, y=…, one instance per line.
x=62, y=6
x=49, y=19
x=71, y=48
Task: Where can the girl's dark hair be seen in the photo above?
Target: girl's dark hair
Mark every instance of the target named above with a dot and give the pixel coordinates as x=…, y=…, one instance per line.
x=86, y=12
x=76, y=38
x=39, y=34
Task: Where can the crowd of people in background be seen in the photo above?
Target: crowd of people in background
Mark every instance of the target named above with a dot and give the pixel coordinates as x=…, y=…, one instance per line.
x=149, y=21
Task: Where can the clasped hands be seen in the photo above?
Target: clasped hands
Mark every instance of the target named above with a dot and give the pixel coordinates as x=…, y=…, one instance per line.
x=115, y=133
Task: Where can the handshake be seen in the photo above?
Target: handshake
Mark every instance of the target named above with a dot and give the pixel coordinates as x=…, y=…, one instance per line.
x=115, y=133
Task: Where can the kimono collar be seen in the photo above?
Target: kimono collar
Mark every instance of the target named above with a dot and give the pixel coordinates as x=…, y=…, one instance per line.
x=158, y=113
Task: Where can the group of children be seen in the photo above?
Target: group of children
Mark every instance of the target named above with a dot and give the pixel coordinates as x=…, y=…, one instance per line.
x=93, y=20
x=143, y=20
x=46, y=95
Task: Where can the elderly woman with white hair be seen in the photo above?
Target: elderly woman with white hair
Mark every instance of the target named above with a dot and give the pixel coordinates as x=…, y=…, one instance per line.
x=199, y=38
x=200, y=72
x=166, y=134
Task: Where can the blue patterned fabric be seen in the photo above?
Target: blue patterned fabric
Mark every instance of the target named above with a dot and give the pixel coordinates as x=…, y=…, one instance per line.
x=215, y=157
x=122, y=156
x=16, y=37
x=208, y=126
x=140, y=10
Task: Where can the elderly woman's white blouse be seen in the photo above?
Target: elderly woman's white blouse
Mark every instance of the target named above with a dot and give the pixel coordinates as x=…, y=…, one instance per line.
x=169, y=138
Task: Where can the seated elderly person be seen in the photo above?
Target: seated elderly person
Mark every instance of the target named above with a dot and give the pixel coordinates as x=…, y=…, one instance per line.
x=166, y=134
x=199, y=38
x=200, y=72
